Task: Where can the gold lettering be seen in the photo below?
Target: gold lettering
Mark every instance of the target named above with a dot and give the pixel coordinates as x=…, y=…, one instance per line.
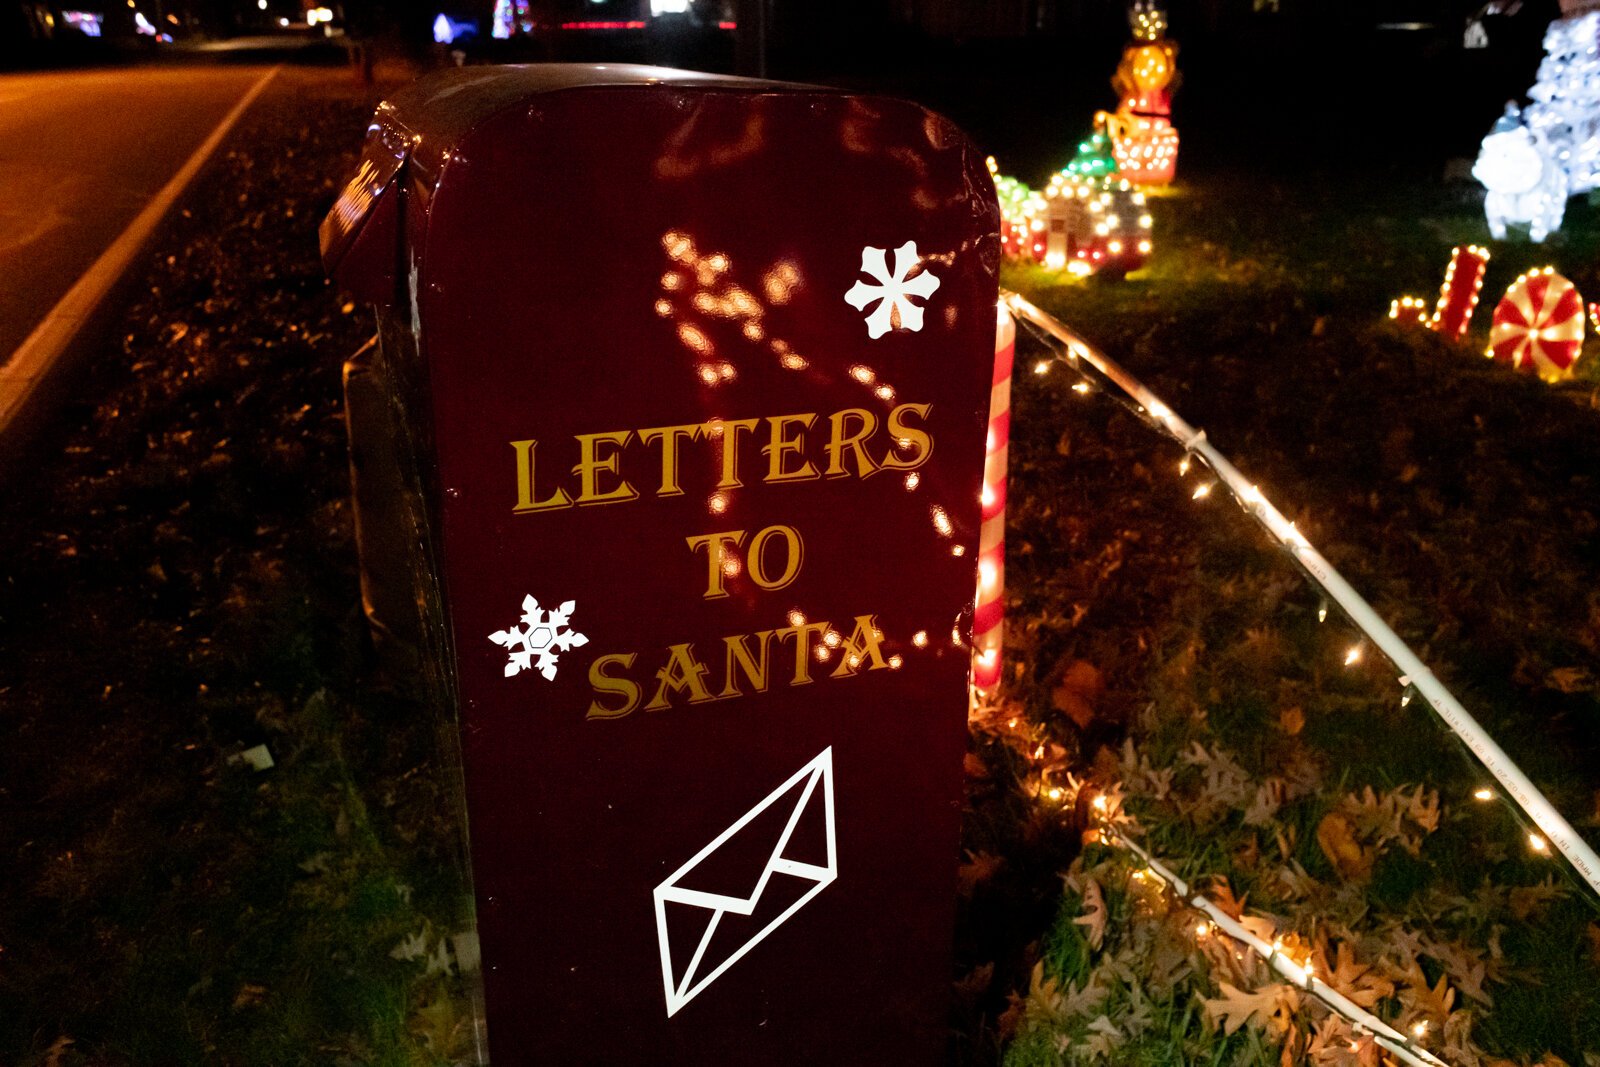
x=755, y=670
x=624, y=687
x=590, y=464
x=839, y=442
x=682, y=672
x=782, y=445
x=729, y=436
x=669, y=437
x=802, y=647
x=921, y=441
x=862, y=643
x=525, y=491
x=793, y=557
x=717, y=552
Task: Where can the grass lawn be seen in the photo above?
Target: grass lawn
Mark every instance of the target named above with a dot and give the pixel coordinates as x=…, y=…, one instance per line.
x=1158, y=646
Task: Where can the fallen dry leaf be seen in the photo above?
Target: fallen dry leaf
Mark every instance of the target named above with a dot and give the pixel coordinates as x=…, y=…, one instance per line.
x=1528, y=900
x=1337, y=837
x=1292, y=720
x=1570, y=680
x=1237, y=1007
x=978, y=868
x=975, y=984
x=1093, y=919
x=1075, y=696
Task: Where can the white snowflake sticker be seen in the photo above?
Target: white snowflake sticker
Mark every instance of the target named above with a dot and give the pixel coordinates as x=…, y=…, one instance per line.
x=893, y=291
x=544, y=634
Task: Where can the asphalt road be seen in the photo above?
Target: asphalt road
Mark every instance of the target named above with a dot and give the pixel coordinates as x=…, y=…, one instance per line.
x=81, y=153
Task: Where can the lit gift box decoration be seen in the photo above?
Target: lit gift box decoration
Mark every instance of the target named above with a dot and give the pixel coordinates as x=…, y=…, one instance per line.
x=1409, y=310
x=1458, y=296
x=1076, y=224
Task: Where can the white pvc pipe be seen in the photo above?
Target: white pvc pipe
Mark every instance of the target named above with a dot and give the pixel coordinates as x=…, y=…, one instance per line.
x=1414, y=673
x=1299, y=977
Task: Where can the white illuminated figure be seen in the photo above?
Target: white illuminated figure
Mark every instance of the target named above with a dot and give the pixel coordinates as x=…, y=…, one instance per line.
x=1535, y=158
x=1565, y=112
x=1525, y=183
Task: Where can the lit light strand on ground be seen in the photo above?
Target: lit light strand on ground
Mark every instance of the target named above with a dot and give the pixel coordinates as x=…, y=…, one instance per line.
x=1414, y=676
x=1295, y=973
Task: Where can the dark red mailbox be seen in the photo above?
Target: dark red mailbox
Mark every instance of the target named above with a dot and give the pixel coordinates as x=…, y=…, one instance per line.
x=694, y=377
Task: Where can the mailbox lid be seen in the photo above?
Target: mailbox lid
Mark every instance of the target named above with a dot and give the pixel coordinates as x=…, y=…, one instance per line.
x=419, y=129
x=606, y=259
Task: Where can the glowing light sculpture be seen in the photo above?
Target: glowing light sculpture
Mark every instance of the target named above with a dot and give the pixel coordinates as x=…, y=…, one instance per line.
x=1094, y=158
x=1458, y=296
x=1411, y=310
x=1538, y=325
x=1525, y=183
x=988, y=619
x=1079, y=225
x=1143, y=140
x=1565, y=110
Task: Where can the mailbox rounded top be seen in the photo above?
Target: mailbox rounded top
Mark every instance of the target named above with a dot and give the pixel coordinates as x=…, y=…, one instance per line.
x=423, y=124
x=456, y=116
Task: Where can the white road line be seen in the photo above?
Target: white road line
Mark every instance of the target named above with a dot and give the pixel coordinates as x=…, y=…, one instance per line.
x=26, y=371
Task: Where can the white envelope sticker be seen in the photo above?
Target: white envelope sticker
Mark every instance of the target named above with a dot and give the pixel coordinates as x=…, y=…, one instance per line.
x=700, y=972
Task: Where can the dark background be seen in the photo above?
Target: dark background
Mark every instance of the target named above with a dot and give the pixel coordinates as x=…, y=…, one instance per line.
x=1365, y=86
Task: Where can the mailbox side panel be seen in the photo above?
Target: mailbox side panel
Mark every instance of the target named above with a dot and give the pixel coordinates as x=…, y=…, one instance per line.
x=710, y=374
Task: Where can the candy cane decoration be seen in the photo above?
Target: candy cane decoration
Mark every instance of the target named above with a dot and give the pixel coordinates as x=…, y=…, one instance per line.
x=1458, y=296
x=988, y=617
x=1538, y=326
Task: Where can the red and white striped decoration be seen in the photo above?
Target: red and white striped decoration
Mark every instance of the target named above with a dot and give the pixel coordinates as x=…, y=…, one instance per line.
x=1538, y=326
x=1458, y=296
x=988, y=619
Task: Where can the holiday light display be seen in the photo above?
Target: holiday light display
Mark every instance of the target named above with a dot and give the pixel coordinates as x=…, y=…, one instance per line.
x=509, y=18
x=1458, y=296
x=1094, y=158
x=1143, y=140
x=988, y=618
x=1413, y=675
x=1535, y=158
x=1538, y=325
x=1409, y=310
x=1219, y=921
x=1525, y=183
x=1078, y=225
x=1564, y=114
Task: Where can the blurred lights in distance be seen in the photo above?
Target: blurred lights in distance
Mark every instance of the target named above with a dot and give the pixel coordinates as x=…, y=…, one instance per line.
x=669, y=7
x=85, y=22
x=318, y=14
x=447, y=30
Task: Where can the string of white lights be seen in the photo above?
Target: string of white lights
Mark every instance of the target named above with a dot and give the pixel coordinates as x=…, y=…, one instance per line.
x=1414, y=675
x=1297, y=974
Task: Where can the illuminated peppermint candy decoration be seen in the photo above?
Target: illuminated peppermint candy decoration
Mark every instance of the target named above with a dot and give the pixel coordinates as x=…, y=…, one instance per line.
x=1538, y=326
